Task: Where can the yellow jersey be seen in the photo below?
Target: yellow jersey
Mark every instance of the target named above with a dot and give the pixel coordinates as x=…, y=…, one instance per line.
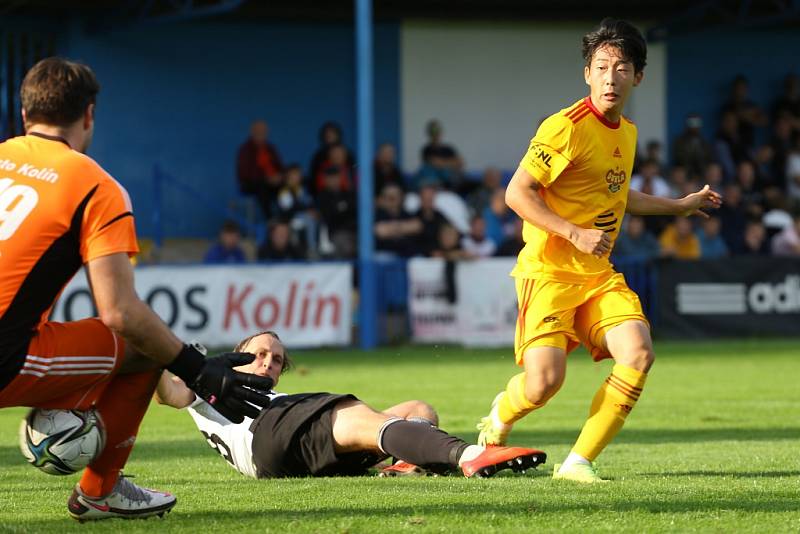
x=583, y=163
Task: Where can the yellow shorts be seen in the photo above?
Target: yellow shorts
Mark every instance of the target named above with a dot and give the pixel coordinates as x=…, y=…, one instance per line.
x=554, y=314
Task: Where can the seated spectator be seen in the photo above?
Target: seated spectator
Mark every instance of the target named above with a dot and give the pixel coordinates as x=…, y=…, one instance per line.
x=691, y=150
x=678, y=240
x=439, y=159
x=635, y=241
x=296, y=207
x=396, y=230
x=754, y=242
x=711, y=243
x=500, y=220
x=793, y=171
x=729, y=149
x=748, y=114
x=329, y=134
x=649, y=181
x=386, y=169
x=337, y=212
x=787, y=241
x=430, y=217
x=259, y=169
x=228, y=249
x=653, y=151
x=477, y=243
x=752, y=195
x=678, y=180
x=337, y=163
x=733, y=216
x=478, y=200
x=448, y=245
x=514, y=243
x=713, y=176
x=781, y=144
x=279, y=246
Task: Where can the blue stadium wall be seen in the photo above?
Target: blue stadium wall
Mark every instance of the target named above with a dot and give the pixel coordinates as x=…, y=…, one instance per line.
x=183, y=95
x=701, y=67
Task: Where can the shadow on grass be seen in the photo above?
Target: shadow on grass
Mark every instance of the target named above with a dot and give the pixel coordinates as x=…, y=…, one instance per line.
x=663, y=435
x=400, y=514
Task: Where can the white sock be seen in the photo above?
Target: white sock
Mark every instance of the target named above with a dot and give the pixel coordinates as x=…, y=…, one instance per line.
x=574, y=459
x=496, y=420
x=470, y=453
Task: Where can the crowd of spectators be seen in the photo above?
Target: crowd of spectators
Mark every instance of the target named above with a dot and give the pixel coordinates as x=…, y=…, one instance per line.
x=440, y=211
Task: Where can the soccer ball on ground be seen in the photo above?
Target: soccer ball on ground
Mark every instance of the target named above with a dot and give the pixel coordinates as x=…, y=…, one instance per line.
x=61, y=442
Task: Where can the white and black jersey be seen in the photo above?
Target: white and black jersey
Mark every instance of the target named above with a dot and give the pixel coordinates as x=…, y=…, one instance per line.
x=232, y=441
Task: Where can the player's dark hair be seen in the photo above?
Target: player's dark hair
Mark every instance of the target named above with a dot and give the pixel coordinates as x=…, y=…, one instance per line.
x=619, y=34
x=287, y=361
x=56, y=91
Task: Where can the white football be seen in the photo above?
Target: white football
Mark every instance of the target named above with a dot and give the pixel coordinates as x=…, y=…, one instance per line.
x=61, y=442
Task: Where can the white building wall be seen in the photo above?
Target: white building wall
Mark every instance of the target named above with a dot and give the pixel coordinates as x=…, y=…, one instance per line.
x=491, y=84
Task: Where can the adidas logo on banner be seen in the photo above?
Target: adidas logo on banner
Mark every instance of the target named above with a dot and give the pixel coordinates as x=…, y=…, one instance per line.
x=734, y=299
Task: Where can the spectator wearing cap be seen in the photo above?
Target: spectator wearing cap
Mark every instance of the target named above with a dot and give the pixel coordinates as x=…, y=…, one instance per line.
x=691, y=150
x=227, y=249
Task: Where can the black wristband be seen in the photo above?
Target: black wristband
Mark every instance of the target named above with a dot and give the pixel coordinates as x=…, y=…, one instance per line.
x=187, y=364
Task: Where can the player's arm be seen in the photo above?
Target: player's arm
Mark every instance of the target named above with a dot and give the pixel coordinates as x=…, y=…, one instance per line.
x=522, y=196
x=692, y=204
x=172, y=391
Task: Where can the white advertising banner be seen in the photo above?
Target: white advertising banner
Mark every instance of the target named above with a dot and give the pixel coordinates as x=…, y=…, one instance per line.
x=307, y=305
x=471, y=302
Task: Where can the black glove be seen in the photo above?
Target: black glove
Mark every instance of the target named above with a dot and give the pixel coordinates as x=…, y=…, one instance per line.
x=215, y=381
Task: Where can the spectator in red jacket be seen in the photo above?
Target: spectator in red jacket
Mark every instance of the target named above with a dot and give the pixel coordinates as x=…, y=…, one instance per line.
x=259, y=169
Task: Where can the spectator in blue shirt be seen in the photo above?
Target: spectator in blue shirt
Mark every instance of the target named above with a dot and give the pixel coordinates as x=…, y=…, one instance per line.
x=228, y=249
x=635, y=242
x=711, y=243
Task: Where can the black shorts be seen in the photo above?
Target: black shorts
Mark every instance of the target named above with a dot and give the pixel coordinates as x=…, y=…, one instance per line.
x=293, y=437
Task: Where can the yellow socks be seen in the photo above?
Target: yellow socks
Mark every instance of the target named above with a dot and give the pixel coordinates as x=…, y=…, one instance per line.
x=513, y=406
x=611, y=405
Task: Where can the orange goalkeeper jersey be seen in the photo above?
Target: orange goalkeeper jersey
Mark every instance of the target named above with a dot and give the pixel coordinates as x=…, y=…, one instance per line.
x=584, y=164
x=58, y=210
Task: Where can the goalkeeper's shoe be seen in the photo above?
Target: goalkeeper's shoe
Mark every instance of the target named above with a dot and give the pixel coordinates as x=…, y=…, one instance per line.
x=126, y=500
x=494, y=459
x=403, y=469
x=584, y=473
x=490, y=434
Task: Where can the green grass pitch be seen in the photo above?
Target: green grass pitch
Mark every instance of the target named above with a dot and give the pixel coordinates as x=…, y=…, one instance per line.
x=711, y=447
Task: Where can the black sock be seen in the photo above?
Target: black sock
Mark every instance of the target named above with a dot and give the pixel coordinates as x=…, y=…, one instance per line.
x=422, y=445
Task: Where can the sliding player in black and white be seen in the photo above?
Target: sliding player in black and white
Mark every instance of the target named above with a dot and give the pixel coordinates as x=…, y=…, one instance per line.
x=323, y=434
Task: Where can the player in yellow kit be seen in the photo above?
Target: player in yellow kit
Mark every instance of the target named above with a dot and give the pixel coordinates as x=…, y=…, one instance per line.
x=572, y=191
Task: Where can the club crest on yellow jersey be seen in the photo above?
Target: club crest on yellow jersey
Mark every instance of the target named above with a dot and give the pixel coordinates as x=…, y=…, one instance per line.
x=615, y=179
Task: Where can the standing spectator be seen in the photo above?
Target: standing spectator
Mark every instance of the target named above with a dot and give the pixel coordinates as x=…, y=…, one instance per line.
x=748, y=114
x=678, y=240
x=430, y=217
x=514, y=243
x=329, y=134
x=337, y=163
x=477, y=243
x=448, y=245
x=296, y=207
x=649, y=180
x=395, y=229
x=259, y=168
x=492, y=181
x=635, y=241
x=500, y=220
x=228, y=248
x=788, y=105
x=439, y=159
x=752, y=196
x=711, y=243
x=729, y=149
x=386, y=169
x=279, y=245
x=337, y=210
x=755, y=242
x=691, y=150
x=787, y=241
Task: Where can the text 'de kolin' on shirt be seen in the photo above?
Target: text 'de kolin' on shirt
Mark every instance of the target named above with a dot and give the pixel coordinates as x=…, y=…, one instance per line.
x=583, y=163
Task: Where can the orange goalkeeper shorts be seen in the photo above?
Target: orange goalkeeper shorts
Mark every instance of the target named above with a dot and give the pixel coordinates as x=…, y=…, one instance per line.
x=555, y=314
x=68, y=366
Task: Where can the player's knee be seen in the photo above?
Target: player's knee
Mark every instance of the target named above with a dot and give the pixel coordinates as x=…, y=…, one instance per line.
x=640, y=358
x=422, y=410
x=540, y=387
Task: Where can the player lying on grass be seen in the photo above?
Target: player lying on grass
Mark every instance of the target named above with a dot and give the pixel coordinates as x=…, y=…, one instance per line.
x=572, y=189
x=323, y=434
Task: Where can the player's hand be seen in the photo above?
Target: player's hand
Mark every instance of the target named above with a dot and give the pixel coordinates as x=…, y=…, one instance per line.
x=230, y=392
x=592, y=241
x=694, y=203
